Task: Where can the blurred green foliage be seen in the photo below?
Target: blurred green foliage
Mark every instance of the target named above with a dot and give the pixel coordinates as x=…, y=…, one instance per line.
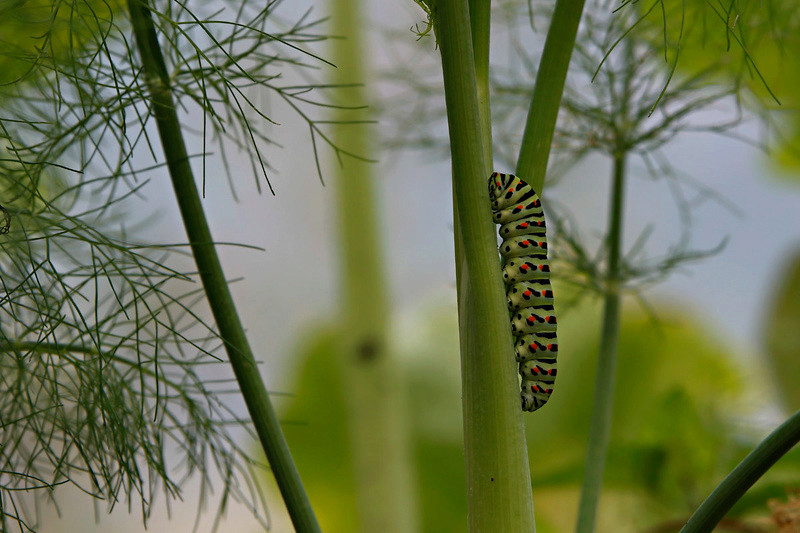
x=40, y=31
x=782, y=335
x=316, y=429
x=683, y=418
x=754, y=44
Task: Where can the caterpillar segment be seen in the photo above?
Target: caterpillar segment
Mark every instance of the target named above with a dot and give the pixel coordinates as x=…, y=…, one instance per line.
x=524, y=245
x=529, y=294
x=541, y=346
x=526, y=273
x=526, y=268
x=531, y=225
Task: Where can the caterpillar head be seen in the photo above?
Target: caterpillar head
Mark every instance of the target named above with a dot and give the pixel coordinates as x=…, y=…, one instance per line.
x=498, y=183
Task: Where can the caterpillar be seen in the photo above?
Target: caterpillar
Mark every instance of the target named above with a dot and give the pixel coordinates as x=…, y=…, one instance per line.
x=526, y=274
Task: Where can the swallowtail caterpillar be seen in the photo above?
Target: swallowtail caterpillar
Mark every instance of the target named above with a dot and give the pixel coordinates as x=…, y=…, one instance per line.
x=526, y=274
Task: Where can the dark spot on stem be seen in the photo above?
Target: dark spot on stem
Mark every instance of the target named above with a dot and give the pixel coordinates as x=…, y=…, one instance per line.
x=368, y=349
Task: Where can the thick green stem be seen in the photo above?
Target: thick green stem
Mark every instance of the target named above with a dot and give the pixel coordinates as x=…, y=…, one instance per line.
x=375, y=388
x=542, y=115
x=605, y=379
x=211, y=274
x=744, y=475
x=498, y=480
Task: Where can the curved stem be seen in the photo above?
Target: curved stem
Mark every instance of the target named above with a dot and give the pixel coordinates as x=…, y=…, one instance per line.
x=744, y=475
x=214, y=283
x=606, y=363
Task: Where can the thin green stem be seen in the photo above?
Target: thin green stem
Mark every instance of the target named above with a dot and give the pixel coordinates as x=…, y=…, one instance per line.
x=480, y=23
x=211, y=274
x=535, y=150
x=53, y=349
x=605, y=380
x=746, y=473
x=498, y=480
x=63, y=351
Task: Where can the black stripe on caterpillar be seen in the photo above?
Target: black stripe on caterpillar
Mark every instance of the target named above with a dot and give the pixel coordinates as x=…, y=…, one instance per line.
x=526, y=273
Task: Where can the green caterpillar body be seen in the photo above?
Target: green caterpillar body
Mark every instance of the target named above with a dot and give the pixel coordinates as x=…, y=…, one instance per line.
x=526, y=274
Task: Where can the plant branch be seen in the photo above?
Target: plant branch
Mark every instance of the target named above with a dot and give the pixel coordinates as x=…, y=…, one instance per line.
x=211, y=274
x=480, y=17
x=543, y=112
x=605, y=379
